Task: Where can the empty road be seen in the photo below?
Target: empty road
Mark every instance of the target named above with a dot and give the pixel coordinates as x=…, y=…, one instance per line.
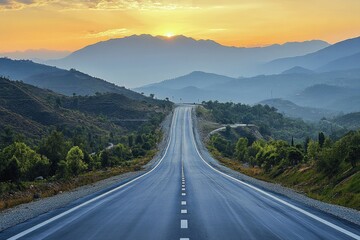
x=185, y=198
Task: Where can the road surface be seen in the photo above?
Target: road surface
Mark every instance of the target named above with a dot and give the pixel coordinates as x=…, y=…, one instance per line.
x=185, y=198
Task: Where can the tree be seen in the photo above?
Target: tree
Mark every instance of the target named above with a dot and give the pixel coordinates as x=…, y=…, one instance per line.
x=74, y=160
x=121, y=152
x=222, y=145
x=306, y=144
x=104, y=158
x=295, y=156
x=321, y=139
x=139, y=139
x=292, y=141
x=241, y=149
x=20, y=162
x=138, y=152
x=54, y=147
x=313, y=150
x=329, y=161
x=353, y=155
x=131, y=140
x=7, y=137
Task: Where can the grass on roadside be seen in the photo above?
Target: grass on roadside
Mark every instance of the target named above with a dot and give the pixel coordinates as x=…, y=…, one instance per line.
x=13, y=194
x=342, y=189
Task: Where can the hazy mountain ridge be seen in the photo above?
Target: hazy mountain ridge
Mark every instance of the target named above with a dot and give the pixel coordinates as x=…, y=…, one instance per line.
x=351, y=120
x=59, y=80
x=302, y=89
x=194, y=79
x=298, y=70
x=293, y=110
x=325, y=96
x=144, y=59
x=38, y=55
x=349, y=62
x=316, y=60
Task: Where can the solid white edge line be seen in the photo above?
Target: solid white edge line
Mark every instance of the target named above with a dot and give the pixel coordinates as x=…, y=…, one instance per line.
x=25, y=232
x=340, y=229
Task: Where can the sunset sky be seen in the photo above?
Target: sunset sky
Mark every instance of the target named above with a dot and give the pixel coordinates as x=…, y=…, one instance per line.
x=72, y=24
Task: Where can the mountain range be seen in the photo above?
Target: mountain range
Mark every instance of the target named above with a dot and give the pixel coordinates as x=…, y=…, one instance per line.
x=318, y=84
x=328, y=79
x=339, y=56
x=293, y=110
x=67, y=82
x=329, y=90
x=38, y=55
x=142, y=59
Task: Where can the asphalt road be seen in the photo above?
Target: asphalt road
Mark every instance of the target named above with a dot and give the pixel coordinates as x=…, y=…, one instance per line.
x=185, y=198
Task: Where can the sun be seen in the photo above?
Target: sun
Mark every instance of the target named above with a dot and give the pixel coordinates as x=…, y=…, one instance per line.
x=169, y=34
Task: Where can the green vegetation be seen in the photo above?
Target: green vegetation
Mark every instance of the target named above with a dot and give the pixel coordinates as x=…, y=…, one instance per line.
x=270, y=123
x=57, y=159
x=321, y=167
x=351, y=120
x=28, y=113
x=49, y=139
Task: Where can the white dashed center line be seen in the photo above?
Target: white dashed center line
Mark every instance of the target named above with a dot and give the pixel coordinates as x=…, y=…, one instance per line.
x=184, y=223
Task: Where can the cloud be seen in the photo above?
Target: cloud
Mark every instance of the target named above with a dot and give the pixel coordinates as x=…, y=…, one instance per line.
x=20, y=4
x=98, y=4
x=108, y=33
x=124, y=5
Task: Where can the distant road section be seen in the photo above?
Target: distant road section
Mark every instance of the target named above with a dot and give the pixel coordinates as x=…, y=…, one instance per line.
x=232, y=126
x=183, y=197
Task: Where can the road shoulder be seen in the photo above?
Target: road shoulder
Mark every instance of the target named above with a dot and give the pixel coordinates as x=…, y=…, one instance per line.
x=347, y=214
x=21, y=213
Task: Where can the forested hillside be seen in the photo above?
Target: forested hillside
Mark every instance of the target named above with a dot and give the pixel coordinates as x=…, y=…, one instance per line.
x=290, y=152
x=45, y=135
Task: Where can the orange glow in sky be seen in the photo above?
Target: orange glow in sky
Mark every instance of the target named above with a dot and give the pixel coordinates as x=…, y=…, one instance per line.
x=73, y=24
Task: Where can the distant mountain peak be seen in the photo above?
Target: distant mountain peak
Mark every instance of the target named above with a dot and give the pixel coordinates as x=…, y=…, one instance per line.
x=315, y=59
x=140, y=60
x=298, y=70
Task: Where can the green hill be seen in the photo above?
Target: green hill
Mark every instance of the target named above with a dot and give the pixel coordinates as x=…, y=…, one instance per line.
x=60, y=80
x=33, y=112
x=350, y=121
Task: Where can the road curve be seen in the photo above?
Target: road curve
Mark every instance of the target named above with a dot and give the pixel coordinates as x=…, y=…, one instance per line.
x=185, y=198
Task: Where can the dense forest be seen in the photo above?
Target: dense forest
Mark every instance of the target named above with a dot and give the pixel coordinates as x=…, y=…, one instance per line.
x=324, y=166
x=46, y=137
x=62, y=157
x=270, y=122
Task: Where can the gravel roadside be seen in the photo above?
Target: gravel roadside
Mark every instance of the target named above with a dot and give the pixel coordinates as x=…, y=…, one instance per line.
x=348, y=214
x=21, y=213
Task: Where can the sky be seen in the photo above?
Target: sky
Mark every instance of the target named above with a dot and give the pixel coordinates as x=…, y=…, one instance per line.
x=73, y=24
